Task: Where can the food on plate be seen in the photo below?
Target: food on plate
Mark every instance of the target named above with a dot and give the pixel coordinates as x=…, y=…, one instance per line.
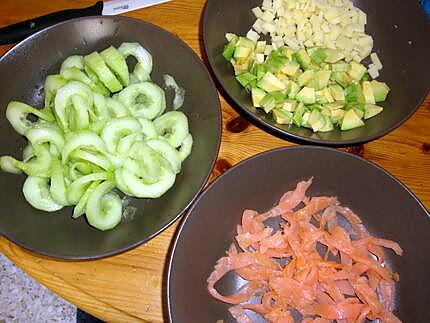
x=102, y=130
x=316, y=82
x=319, y=261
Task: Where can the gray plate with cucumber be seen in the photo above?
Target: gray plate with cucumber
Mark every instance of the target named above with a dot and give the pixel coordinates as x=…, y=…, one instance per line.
x=128, y=142
x=305, y=73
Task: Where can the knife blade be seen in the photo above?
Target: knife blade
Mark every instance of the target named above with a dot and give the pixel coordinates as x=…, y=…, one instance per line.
x=19, y=31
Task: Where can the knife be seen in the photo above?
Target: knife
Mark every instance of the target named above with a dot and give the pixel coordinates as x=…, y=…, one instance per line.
x=21, y=30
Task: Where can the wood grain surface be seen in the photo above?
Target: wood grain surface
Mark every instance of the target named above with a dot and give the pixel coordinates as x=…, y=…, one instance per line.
x=130, y=287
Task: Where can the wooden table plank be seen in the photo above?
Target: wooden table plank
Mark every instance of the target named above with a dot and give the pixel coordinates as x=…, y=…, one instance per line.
x=129, y=287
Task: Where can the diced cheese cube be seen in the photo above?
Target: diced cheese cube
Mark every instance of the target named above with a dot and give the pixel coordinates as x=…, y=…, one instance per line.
x=257, y=12
x=253, y=35
x=376, y=61
x=259, y=58
x=267, y=16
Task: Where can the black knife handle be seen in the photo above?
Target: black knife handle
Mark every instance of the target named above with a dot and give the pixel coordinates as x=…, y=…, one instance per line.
x=21, y=30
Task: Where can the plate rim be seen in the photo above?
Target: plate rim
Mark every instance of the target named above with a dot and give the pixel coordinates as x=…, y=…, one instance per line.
x=211, y=83
x=264, y=154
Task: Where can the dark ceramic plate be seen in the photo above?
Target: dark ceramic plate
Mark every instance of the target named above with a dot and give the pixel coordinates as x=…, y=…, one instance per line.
x=23, y=71
x=387, y=208
x=401, y=34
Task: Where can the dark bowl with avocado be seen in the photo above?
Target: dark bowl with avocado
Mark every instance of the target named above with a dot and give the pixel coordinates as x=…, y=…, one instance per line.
x=400, y=33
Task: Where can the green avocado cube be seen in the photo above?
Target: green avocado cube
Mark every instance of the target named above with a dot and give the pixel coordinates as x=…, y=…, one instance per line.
x=302, y=58
x=306, y=95
x=282, y=116
x=351, y=120
x=380, y=90
x=371, y=110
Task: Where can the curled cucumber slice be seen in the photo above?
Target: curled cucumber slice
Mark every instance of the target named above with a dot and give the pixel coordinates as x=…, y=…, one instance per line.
x=58, y=184
x=116, y=62
x=173, y=127
x=94, y=158
x=52, y=84
x=82, y=139
x=141, y=189
x=168, y=152
x=36, y=192
x=96, y=63
x=117, y=129
x=38, y=136
x=78, y=187
x=143, y=68
x=38, y=165
x=17, y=114
x=74, y=61
x=104, y=208
x=67, y=96
x=145, y=100
x=80, y=207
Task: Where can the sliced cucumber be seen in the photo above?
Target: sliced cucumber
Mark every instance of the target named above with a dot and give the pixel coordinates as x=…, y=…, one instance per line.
x=186, y=147
x=103, y=208
x=96, y=63
x=173, y=127
x=116, y=62
x=168, y=152
x=143, y=68
x=17, y=114
x=145, y=100
x=117, y=129
x=36, y=192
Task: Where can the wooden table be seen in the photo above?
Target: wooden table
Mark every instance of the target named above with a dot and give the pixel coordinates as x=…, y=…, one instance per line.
x=130, y=287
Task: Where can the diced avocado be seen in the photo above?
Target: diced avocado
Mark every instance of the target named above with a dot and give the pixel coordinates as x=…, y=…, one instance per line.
x=304, y=78
x=337, y=92
x=340, y=67
x=229, y=50
x=334, y=106
x=258, y=70
x=342, y=78
x=356, y=71
x=353, y=93
x=290, y=68
x=325, y=111
x=270, y=83
x=290, y=105
x=380, y=90
x=328, y=125
x=294, y=89
x=320, y=80
x=371, y=110
x=324, y=96
x=275, y=61
x=368, y=92
x=351, y=120
x=242, y=52
x=318, y=55
x=366, y=77
x=240, y=66
x=282, y=116
x=257, y=95
x=333, y=55
x=306, y=95
x=336, y=115
x=268, y=103
x=298, y=114
x=359, y=112
x=280, y=97
x=245, y=42
x=316, y=120
x=245, y=78
x=302, y=58
x=305, y=119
